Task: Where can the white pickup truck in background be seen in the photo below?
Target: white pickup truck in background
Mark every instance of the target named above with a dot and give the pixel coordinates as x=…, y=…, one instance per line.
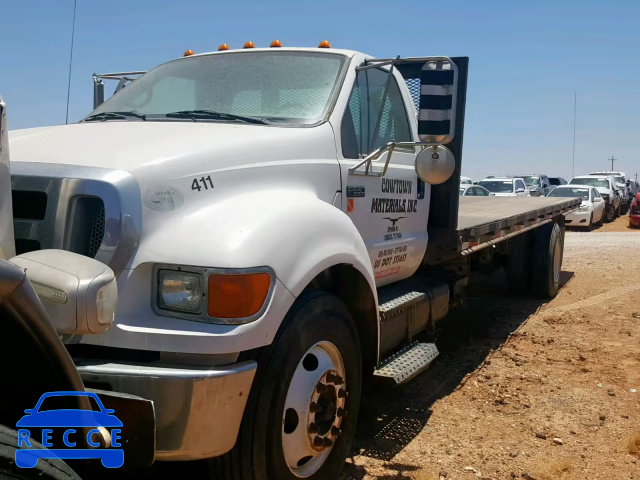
x=284, y=223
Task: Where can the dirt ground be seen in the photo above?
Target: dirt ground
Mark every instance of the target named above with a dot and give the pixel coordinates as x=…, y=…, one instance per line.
x=522, y=388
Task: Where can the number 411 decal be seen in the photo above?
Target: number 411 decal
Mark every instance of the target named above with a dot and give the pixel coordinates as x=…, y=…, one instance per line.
x=206, y=182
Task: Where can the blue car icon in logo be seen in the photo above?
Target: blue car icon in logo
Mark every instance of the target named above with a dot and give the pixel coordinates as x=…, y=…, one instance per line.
x=28, y=456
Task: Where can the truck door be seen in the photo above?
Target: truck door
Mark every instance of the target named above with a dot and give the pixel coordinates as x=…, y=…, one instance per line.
x=389, y=211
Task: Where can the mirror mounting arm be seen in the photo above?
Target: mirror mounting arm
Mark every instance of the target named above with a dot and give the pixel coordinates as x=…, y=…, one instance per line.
x=376, y=154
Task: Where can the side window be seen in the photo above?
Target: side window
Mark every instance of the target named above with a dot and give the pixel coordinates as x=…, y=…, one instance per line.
x=481, y=193
x=360, y=131
x=519, y=185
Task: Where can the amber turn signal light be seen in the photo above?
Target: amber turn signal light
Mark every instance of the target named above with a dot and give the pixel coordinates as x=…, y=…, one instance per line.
x=324, y=44
x=237, y=296
x=249, y=45
x=222, y=47
x=188, y=53
x=276, y=43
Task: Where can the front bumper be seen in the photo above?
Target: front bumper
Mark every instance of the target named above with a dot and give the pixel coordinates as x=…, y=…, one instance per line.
x=198, y=410
x=577, y=218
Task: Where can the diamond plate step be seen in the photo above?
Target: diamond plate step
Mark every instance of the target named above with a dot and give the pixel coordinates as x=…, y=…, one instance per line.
x=407, y=363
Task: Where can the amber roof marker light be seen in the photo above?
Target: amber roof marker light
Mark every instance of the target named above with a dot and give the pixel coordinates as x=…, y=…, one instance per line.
x=276, y=43
x=188, y=53
x=223, y=47
x=249, y=45
x=324, y=44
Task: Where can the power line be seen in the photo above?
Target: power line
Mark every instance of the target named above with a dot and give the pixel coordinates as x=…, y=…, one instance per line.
x=73, y=33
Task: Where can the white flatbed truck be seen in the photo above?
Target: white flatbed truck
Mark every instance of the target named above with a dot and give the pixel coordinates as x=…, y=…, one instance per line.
x=283, y=224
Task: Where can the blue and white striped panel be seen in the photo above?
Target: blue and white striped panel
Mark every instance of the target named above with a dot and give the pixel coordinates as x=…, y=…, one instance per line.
x=436, y=101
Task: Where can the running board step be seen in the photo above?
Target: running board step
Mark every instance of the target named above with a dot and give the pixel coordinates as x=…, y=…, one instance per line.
x=406, y=364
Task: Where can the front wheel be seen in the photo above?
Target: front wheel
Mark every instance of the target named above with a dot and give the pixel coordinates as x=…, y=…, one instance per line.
x=302, y=410
x=624, y=209
x=609, y=213
x=591, y=225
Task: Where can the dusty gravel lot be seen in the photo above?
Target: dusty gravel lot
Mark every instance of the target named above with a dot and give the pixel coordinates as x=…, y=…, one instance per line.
x=524, y=389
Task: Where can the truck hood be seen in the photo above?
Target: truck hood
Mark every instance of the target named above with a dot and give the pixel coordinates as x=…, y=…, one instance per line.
x=604, y=190
x=154, y=150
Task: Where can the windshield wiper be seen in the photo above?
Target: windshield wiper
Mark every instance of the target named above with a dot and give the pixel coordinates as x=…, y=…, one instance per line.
x=114, y=116
x=213, y=115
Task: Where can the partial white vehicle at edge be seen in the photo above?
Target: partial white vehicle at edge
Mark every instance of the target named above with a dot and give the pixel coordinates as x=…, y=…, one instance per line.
x=506, y=186
x=591, y=211
x=474, y=191
x=606, y=186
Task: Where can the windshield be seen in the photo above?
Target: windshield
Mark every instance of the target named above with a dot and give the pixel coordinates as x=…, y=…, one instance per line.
x=619, y=179
x=497, y=186
x=570, y=192
x=554, y=181
x=531, y=181
x=291, y=87
x=593, y=182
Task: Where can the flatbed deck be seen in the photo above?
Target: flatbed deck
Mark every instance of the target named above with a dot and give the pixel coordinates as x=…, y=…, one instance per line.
x=483, y=221
x=482, y=215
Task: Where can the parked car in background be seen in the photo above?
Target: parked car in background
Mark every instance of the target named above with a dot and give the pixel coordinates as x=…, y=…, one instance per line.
x=621, y=182
x=465, y=180
x=591, y=211
x=606, y=185
x=555, y=181
x=505, y=186
x=538, y=185
x=474, y=191
x=634, y=212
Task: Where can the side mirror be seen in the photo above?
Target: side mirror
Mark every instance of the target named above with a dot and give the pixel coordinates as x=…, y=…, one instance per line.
x=435, y=165
x=79, y=293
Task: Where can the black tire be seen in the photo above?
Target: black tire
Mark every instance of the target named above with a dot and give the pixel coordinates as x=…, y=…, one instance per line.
x=258, y=453
x=46, y=469
x=591, y=224
x=624, y=209
x=547, y=260
x=618, y=211
x=518, y=264
x=609, y=214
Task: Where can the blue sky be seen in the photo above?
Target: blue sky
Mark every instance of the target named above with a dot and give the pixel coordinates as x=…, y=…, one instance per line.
x=527, y=59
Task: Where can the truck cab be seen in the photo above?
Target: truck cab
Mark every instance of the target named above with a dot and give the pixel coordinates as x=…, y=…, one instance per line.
x=282, y=222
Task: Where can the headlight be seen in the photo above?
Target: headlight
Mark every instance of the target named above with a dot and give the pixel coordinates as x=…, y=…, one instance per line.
x=214, y=295
x=180, y=291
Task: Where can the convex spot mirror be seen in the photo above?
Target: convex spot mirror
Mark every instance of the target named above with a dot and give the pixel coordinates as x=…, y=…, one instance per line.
x=79, y=293
x=435, y=165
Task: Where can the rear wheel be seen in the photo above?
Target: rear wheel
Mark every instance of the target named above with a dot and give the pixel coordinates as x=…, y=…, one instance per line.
x=303, y=407
x=518, y=262
x=547, y=260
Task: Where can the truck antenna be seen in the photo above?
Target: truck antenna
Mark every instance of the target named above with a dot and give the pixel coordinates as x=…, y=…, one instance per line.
x=573, y=157
x=73, y=32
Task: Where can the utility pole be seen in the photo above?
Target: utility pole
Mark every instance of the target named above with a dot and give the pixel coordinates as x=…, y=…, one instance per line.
x=573, y=155
x=612, y=160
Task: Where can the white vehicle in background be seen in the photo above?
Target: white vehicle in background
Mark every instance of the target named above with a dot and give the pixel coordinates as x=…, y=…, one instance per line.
x=538, y=185
x=621, y=182
x=591, y=211
x=606, y=186
x=474, y=191
x=506, y=186
x=465, y=181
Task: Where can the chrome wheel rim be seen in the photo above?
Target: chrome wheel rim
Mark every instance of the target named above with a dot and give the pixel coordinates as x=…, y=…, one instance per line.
x=314, y=409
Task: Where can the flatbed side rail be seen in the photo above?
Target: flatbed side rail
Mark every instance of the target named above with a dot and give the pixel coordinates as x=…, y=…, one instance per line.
x=496, y=231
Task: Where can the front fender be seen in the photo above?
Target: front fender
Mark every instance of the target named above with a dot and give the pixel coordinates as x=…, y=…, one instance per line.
x=291, y=231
